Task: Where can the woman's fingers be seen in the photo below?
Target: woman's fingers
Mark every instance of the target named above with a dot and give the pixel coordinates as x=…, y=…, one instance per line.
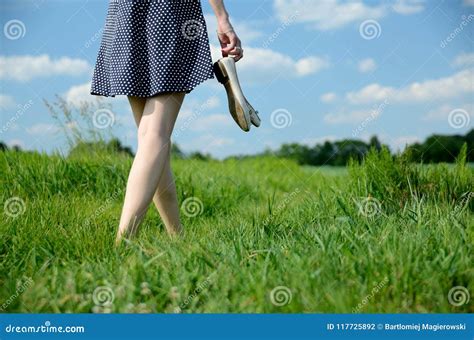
x=224, y=41
x=230, y=43
x=237, y=52
x=233, y=48
x=229, y=46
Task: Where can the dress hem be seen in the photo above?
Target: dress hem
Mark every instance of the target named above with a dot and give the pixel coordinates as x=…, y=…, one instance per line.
x=154, y=93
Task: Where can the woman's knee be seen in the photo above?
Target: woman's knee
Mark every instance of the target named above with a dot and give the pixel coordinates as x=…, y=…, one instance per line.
x=153, y=137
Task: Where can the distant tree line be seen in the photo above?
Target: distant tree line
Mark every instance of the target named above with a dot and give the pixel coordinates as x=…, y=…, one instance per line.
x=327, y=153
x=113, y=146
x=439, y=148
x=178, y=153
x=435, y=149
x=4, y=147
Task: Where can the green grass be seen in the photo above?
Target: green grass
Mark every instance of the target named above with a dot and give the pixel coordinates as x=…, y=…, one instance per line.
x=385, y=236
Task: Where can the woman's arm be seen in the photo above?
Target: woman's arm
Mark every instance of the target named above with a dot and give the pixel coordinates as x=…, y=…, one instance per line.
x=230, y=42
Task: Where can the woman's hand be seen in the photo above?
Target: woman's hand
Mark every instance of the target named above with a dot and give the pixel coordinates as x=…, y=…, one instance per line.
x=230, y=42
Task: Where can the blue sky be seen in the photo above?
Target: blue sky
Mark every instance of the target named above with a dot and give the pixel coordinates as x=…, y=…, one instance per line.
x=315, y=70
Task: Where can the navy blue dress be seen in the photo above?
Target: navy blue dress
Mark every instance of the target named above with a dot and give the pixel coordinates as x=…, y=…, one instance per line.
x=152, y=46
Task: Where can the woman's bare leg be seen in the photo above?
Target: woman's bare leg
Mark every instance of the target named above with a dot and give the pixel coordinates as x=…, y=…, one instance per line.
x=154, y=132
x=165, y=198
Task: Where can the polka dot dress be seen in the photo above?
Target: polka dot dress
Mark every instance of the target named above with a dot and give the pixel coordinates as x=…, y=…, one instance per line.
x=152, y=46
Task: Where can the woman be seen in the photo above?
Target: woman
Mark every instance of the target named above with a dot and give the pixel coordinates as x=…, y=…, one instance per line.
x=154, y=52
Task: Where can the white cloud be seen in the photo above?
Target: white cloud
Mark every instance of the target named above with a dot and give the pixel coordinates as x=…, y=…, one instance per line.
x=262, y=64
x=328, y=97
x=79, y=94
x=442, y=88
x=215, y=142
x=442, y=112
x=309, y=65
x=367, y=65
x=42, y=129
x=25, y=68
x=369, y=94
x=342, y=117
x=464, y=59
x=327, y=14
x=212, y=122
x=407, y=7
x=332, y=14
x=212, y=102
x=192, y=109
x=198, y=128
x=206, y=143
x=439, y=113
x=195, y=115
x=6, y=102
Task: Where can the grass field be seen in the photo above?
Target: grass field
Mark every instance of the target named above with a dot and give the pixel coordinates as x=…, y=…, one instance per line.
x=262, y=235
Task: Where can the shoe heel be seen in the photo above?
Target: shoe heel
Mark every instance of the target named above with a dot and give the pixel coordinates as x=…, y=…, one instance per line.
x=220, y=72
